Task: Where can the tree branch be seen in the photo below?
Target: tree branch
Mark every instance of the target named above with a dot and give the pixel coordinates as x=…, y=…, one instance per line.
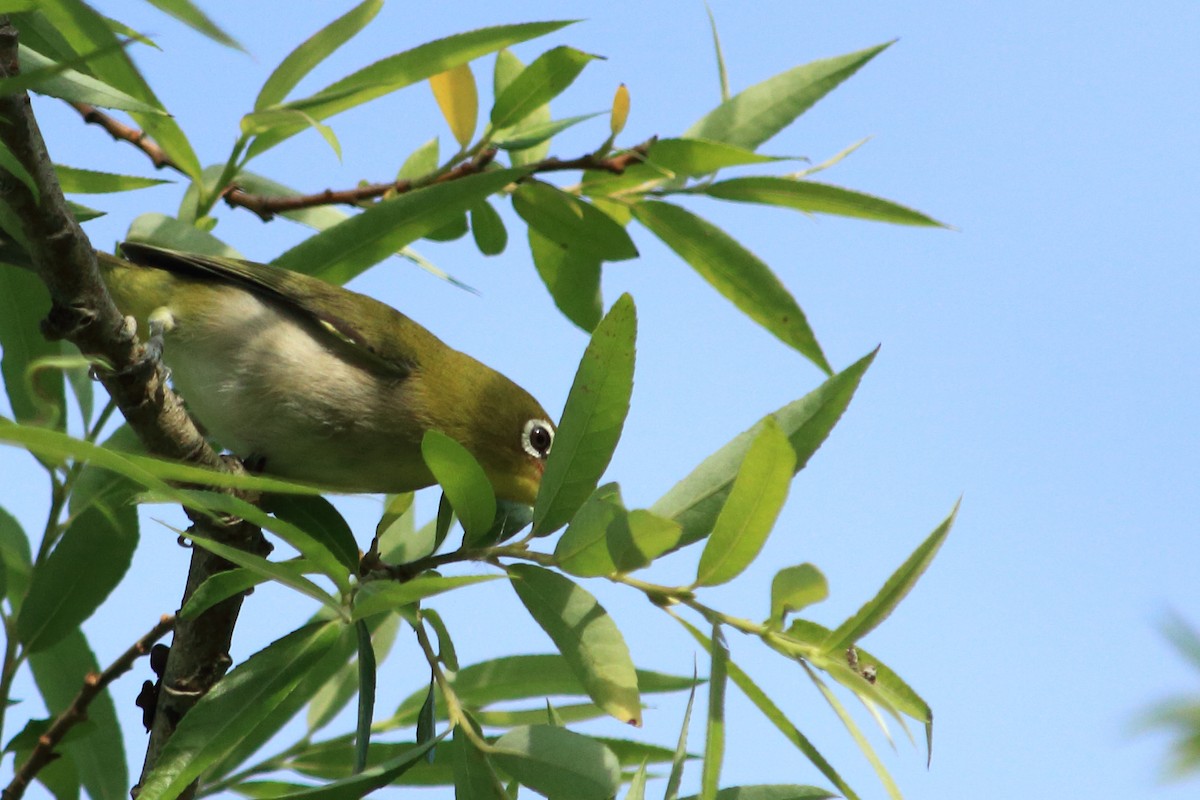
x=43, y=753
x=82, y=311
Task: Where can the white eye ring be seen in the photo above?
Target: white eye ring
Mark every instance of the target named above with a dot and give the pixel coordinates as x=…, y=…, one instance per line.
x=538, y=429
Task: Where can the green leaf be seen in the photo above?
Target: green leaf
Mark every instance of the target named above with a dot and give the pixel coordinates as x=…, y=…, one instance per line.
x=87, y=181
x=55, y=79
x=558, y=763
x=88, y=562
x=735, y=272
x=643, y=537
x=637, y=785
x=681, y=753
x=583, y=548
x=347, y=249
x=226, y=584
x=572, y=223
x=538, y=84
x=591, y=420
x=529, y=134
x=488, y=229
x=164, y=231
x=458, y=98
x=368, y=780
x=10, y=164
x=586, y=636
x=529, y=676
x=508, y=67
x=15, y=555
x=780, y=791
x=688, y=157
x=714, y=742
x=421, y=162
x=754, y=115
x=474, y=776
x=776, y=716
x=816, y=198
x=750, y=510
x=39, y=397
x=99, y=756
x=366, y=695
x=377, y=597
x=696, y=500
x=794, y=588
x=187, y=13
x=722, y=74
x=446, y=653
x=316, y=516
x=241, y=704
x=404, y=69
x=879, y=607
x=572, y=277
x=313, y=51
x=464, y=482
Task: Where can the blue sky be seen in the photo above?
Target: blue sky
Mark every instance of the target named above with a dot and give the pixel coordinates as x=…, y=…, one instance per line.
x=1039, y=360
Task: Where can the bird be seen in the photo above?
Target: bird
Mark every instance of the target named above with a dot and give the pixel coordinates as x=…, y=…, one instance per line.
x=315, y=383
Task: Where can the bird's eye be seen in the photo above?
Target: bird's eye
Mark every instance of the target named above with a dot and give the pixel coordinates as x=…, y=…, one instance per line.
x=537, y=438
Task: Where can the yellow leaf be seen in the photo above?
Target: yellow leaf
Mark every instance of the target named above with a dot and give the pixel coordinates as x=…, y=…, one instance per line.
x=456, y=95
x=620, y=110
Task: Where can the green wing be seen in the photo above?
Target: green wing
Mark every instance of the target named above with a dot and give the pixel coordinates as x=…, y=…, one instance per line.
x=377, y=331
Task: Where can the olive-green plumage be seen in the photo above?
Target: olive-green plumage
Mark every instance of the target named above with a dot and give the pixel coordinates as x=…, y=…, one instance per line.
x=320, y=384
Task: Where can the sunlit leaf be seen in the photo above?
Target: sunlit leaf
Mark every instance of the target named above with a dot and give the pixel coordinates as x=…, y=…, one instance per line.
x=539, y=83
x=378, y=597
x=583, y=548
x=572, y=277
x=421, y=162
x=754, y=115
x=816, y=198
x=735, y=272
x=619, y=114
x=687, y=157
x=189, y=14
x=458, y=99
x=463, y=480
x=714, y=739
x=54, y=79
x=87, y=181
x=794, y=588
x=591, y=420
x=530, y=134
x=586, y=637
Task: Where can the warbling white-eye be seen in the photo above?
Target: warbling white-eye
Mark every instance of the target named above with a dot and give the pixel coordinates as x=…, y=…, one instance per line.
x=316, y=383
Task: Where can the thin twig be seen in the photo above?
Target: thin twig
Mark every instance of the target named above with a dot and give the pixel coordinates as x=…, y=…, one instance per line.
x=93, y=684
x=126, y=133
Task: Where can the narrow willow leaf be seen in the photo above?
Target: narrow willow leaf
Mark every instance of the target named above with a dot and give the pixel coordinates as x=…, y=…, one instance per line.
x=776, y=716
x=377, y=597
x=345, y=250
x=779, y=791
x=508, y=67
x=816, y=198
x=794, y=588
x=367, y=781
x=714, y=742
x=722, y=74
x=750, y=510
x=530, y=133
x=474, y=776
x=16, y=557
x=88, y=562
x=24, y=302
x=754, y=115
x=464, y=482
x=87, y=181
x=99, y=756
x=421, y=162
x=538, y=84
x=235, y=710
x=689, y=157
x=164, y=231
x=189, y=14
x=524, y=677
x=566, y=713
x=696, y=500
x=583, y=548
x=56, y=80
x=406, y=68
x=455, y=228
x=619, y=114
x=226, y=584
x=573, y=279
x=591, y=421
x=572, y=223
x=265, y=569
x=316, y=516
x=735, y=272
x=831, y=161
x=366, y=695
x=851, y=726
x=488, y=229
x=558, y=763
x=676, y=776
x=446, y=653
x=458, y=99
x=877, y=609
x=637, y=784
x=79, y=379
x=640, y=537
x=10, y=164
x=313, y=51
x=586, y=636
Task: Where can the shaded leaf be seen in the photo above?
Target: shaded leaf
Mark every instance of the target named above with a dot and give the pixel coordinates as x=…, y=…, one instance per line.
x=16, y=558
x=189, y=14
x=488, y=229
x=87, y=181
x=474, y=776
x=164, y=231
x=558, y=763
x=572, y=223
x=316, y=516
x=377, y=597
x=366, y=695
x=421, y=162
x=735, y=272
x=55, y=79
x=583, y=548
x=24, y=301
x=591, y=421
x=586, y=636
x=572, y=277
x=771, y=792
x=714, y=741
x=462, y=479
x=368, y=780
x=530, y=133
